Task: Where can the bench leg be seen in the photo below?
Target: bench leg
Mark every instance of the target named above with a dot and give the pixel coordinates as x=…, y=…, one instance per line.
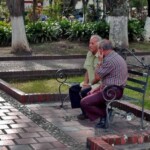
x=108, y=115
x=142, y=116
x=60, y=96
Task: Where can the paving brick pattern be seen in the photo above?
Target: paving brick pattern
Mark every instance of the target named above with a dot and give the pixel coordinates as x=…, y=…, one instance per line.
x=18, y=132
x=58, y=129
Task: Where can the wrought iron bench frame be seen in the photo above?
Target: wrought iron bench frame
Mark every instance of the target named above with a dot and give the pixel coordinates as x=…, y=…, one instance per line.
x=62, y=77
x=141, y=87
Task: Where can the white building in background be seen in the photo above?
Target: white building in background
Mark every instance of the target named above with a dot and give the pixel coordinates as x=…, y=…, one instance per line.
x=29, y=3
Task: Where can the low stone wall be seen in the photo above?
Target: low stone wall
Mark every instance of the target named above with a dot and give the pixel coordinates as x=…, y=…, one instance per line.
x=110, y=141
x=29, y=98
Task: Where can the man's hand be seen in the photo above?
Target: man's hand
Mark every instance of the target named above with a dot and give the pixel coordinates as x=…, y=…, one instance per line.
x=100, y=56
x=93, y=91
x=85, y=86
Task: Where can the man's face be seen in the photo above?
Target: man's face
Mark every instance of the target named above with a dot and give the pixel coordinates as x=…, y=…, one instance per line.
x=93, y=45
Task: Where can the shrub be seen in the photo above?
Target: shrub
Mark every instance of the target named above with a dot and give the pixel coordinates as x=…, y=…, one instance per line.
x=101, y=28
x=83, y=31
x=5, y=34
x=135, y=30
x=65, y=24
x=50, y=30
x=40, y=31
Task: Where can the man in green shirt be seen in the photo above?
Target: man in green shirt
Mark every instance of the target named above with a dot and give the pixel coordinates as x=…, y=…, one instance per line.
x=78, y=91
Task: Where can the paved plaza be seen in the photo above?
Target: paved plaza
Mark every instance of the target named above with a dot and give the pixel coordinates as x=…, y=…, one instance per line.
x=46, y=126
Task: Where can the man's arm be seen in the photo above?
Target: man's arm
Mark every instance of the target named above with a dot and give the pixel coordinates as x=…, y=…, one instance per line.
x=86, y=79
x=96, y=79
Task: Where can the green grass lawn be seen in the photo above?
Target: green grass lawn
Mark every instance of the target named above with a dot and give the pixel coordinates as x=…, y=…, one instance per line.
x=137, y=95
x=51, y=86
x=43, y=85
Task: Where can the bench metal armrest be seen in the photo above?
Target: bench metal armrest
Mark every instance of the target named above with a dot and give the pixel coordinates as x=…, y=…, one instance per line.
x=61, y=77
x=109, y=93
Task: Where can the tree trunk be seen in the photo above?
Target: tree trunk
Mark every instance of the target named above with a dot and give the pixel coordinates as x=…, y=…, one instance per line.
x=84, y=2
x=19, y=39
x=34, y=10
x=73, y=3
x=148, y=1
x=118, y=31
x=147, y=25
x=118, y=21
x=147, y=30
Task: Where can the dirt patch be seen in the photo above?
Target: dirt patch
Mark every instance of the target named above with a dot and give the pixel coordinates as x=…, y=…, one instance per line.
x=65, y=47
x=54, y=48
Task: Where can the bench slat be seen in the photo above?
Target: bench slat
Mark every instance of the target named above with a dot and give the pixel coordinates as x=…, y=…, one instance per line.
x=131, y=99
x=135, y=89
x=137, y=73
x=137, y=81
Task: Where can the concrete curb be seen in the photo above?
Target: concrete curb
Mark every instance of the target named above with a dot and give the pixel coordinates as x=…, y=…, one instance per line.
x=43, y=57
x=30, y=57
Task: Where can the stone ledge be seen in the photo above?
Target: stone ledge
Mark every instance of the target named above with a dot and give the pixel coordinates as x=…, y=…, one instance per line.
x=38, y=74
x=136, y=110
x=48, y=57
x=28, y=57
x=28, y=98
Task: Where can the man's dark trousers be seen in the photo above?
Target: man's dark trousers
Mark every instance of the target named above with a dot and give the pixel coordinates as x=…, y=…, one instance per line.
x=75, y=94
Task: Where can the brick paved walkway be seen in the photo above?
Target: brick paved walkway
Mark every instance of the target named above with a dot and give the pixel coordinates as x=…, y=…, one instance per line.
x=18, y=132
x=47, y=127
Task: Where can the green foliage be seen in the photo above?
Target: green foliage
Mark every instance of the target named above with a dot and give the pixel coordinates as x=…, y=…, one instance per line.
x=79, y=31
x=54, y=11
x=83, y=31
x=65, y=24
x=4, y=14
x=5, y=34
x=138, y=4
x=50, y=30
x=101, y=28
x=138, y=95
x=91, y=13
x=135, y=30
x=40, y=32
